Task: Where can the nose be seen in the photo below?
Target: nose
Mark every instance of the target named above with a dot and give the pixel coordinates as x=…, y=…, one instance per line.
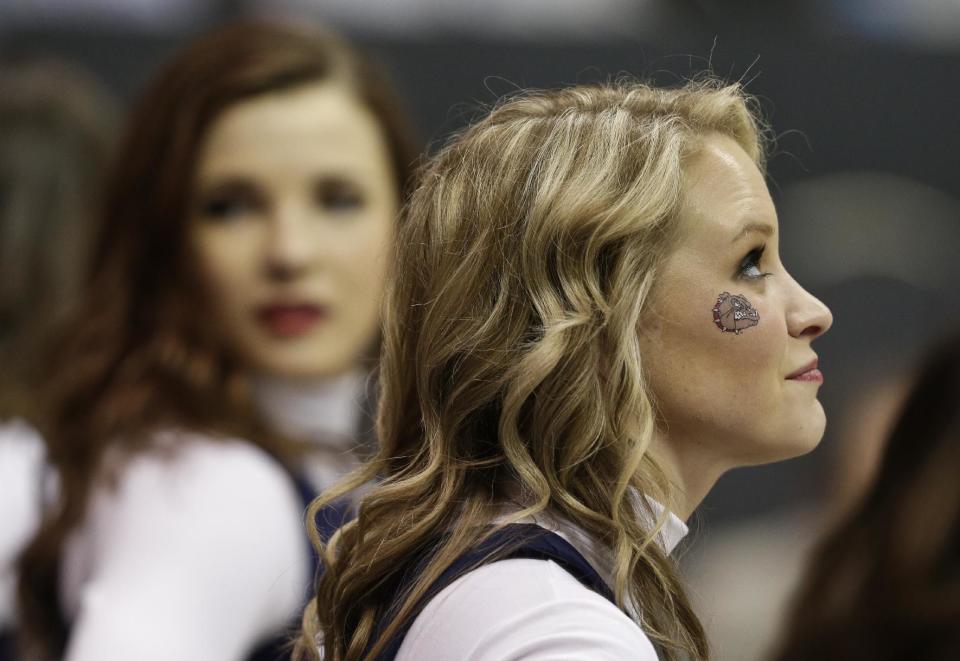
x=291, y=247
x=809, y=317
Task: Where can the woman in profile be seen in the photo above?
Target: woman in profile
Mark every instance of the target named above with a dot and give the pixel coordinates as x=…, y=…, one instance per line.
x=212, y=378
x=588, y=323
x=885, y=584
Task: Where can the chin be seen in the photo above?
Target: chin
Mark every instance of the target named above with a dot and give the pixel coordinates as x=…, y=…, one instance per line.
x=803, y=441
x=300, y=367
x=781, y=445
x=300, y=371
x=800, y=447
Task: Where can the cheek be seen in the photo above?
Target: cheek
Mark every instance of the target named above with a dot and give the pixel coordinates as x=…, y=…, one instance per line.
x=747, y=342
x=705, y=375
x=226, y=263
x=747, y=367
x=362, y=260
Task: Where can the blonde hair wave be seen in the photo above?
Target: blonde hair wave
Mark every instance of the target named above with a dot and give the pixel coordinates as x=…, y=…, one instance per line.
x=510, y=358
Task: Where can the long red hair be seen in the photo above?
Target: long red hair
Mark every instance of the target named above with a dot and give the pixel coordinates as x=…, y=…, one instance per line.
x=136, y=356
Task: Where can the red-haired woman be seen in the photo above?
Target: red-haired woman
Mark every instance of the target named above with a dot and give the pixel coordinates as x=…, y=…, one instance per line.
x=219, y=352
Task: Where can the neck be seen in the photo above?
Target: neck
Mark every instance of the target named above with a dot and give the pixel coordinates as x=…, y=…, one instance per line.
x=690, y=469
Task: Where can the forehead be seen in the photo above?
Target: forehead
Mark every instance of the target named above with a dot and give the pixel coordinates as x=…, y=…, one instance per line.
x=321, y=125
x=723, y=191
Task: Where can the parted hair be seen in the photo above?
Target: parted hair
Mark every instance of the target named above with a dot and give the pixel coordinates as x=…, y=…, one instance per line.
x=135, y=357
x=510, y=361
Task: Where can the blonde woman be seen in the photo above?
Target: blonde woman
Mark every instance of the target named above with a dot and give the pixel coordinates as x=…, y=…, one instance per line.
x=589, y=323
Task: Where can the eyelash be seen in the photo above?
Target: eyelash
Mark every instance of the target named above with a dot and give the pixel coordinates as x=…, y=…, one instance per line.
x=753, y=259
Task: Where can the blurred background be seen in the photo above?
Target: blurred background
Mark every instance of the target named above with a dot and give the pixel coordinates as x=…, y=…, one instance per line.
x=861, y=95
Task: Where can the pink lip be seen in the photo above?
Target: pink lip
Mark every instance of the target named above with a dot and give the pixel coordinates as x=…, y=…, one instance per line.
x=290, y=319
x=808, y=372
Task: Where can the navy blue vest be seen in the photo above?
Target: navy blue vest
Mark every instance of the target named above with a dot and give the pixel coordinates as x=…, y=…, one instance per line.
x=520, y=540
x=328, y=520
x=6, y=645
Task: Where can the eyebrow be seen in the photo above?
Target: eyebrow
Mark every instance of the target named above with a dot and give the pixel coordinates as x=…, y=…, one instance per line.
x=762, y=228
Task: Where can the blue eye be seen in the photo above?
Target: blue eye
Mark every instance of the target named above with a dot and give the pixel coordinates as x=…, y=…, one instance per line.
x=750, y=267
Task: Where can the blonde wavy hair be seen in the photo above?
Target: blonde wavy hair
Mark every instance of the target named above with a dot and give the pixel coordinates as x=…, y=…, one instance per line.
x=510, y=359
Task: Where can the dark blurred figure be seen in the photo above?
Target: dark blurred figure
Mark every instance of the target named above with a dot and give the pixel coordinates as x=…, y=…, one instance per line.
x=743, y=577
x=885, y=584
x=56, y=128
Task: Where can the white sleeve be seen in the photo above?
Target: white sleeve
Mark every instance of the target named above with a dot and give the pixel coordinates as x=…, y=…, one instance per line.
x=523, y=609
x=197, y=556
x=21, y=475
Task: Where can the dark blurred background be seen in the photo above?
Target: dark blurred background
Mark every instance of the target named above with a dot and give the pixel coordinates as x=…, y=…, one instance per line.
x=861, y=94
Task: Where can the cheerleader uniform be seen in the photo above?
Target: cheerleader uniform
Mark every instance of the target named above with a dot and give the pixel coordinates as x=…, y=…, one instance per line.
x=549, y=599
x=198, y=551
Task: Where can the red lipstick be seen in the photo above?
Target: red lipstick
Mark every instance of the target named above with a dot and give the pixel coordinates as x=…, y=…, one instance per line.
x=290, y=319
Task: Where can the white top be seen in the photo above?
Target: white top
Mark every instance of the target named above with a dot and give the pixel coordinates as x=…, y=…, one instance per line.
x=324, y=412
x=21, y=477
x=194, y=556
x=198, y=552
x=533, y=610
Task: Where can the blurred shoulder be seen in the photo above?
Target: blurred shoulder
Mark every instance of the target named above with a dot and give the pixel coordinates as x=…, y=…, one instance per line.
x=19, y=439
x=195, y=470
x=22, y=463
x=215, y=520
x=21, y=486
x=22, y=459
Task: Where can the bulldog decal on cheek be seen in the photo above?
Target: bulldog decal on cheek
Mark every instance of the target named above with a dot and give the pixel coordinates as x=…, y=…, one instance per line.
x=733, y=313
